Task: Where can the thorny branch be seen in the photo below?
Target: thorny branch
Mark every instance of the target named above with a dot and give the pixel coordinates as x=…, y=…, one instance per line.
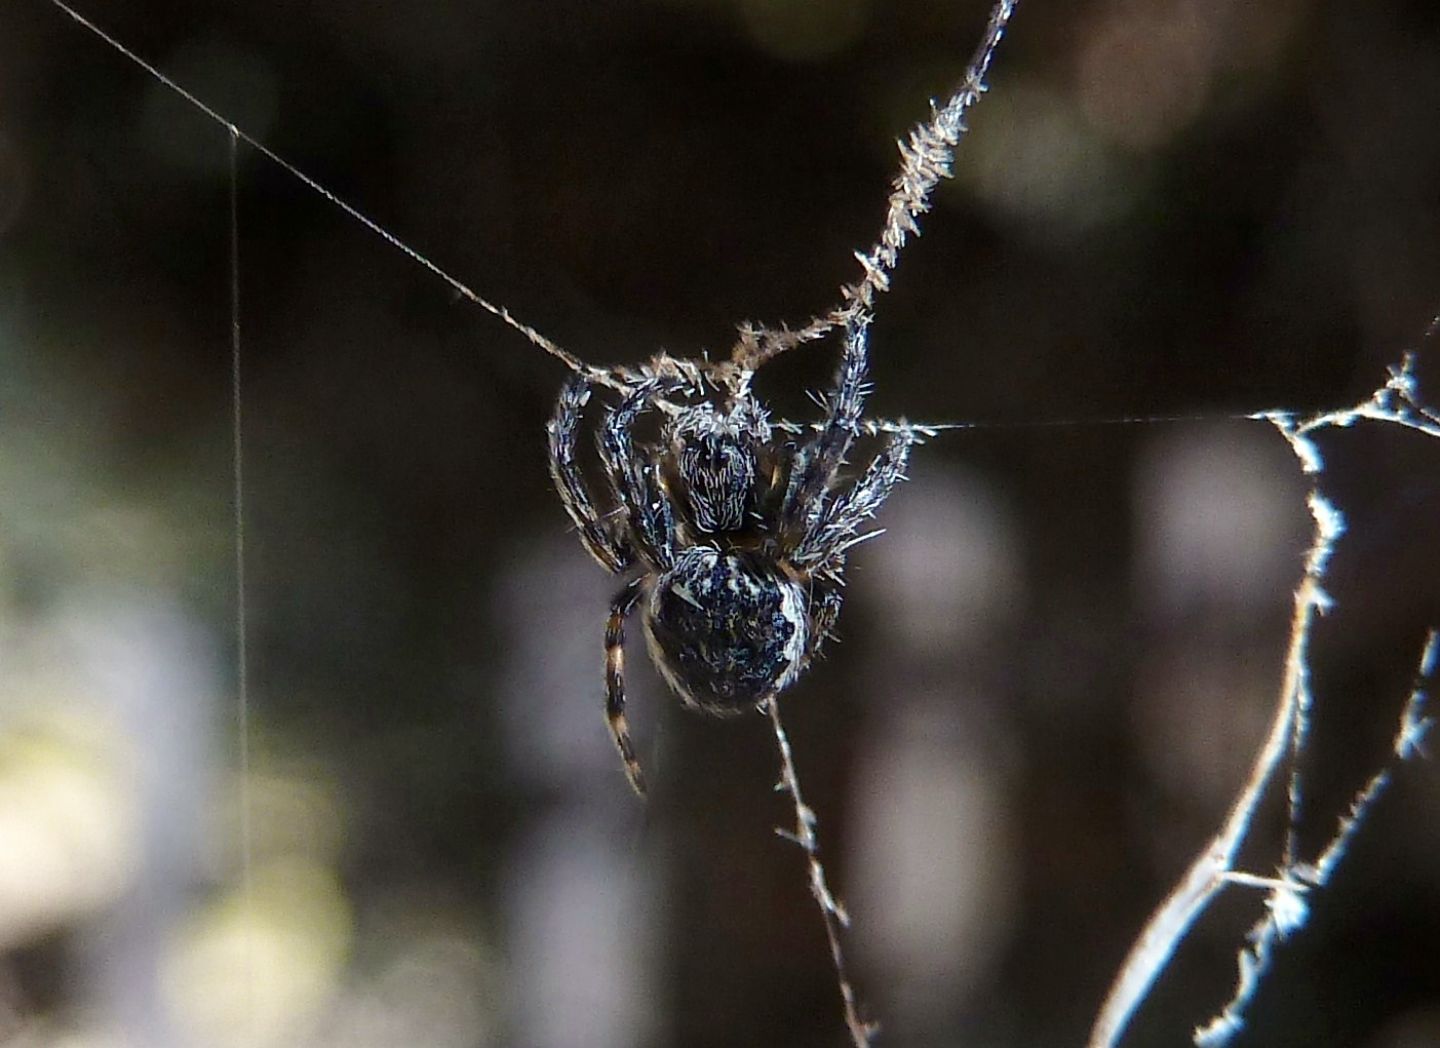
x=1285, y=908
x=831, y=911
x=1397, y=402
x=925, y=159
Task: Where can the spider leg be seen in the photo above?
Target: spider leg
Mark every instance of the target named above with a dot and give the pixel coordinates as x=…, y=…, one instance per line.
x=825, y=611
x=612, y=551
x=918, y=432
x=837, y=526
x=818, y=461
x=620, y=607
x=635, y=478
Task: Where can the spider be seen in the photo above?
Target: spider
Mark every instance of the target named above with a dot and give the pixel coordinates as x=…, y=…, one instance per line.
x=738, y=525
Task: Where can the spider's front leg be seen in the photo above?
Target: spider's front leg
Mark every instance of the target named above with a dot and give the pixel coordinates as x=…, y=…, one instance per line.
x=634, y=478
x=648, y=529
x=825, y=602
x=837, y=526
x=620, y=607
x=820, y=459
x=611, y=550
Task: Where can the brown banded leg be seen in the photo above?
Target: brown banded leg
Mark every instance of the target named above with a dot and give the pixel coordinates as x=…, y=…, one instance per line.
x=825, y=453
x=620, y=607
x=825, y=612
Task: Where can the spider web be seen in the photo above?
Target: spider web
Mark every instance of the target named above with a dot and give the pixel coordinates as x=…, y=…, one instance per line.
x=1291, y=892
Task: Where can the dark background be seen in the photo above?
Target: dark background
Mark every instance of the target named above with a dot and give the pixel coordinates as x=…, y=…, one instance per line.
x=1054, y=668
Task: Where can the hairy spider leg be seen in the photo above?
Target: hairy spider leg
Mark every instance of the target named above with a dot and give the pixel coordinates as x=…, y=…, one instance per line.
x=818, y=462
x=838, y=526
x=825, y=601
x=611, y=550
x=635, y=479
x=620, y=607
x=918, y=432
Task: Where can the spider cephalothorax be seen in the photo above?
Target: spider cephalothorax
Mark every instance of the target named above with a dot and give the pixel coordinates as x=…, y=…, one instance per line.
x=738, y=527
x=714, y=457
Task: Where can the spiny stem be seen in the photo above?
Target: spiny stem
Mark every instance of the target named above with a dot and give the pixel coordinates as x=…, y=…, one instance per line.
x=831, y=911
x=925, y=158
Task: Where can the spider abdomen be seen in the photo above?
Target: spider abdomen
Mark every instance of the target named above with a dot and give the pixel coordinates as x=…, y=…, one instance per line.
x=726, y=631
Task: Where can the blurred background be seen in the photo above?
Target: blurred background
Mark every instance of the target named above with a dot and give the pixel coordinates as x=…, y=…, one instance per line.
x=1055, y=667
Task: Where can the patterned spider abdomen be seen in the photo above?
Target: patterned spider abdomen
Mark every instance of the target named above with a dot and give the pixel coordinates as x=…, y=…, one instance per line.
x=725, y=631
